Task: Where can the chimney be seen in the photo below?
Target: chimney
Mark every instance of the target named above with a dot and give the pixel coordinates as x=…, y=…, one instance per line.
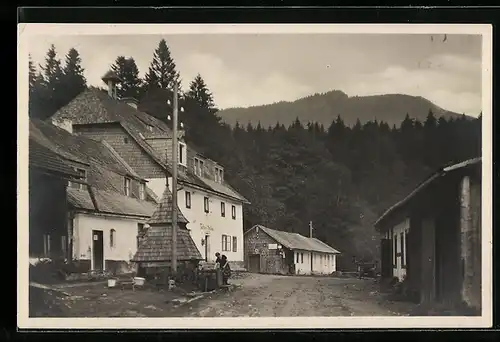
x=111, y=79
x=310, y=229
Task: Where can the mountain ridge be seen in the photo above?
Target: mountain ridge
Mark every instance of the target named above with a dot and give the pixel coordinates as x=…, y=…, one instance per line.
x=323, y=108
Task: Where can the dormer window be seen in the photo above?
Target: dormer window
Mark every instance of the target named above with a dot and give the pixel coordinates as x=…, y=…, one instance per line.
x=83, y=179
x=199, y=166
x=219, y=174
x=126, y=186
x=182, y=154
x=142, y=191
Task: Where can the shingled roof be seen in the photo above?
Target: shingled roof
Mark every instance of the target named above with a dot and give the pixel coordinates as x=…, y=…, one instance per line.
x=43, y=158
x=163, y=213
x=156, y=245
x=95, y=106
x=297, y=241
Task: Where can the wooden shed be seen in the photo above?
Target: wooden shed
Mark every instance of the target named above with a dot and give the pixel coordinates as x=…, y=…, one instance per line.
x=432, y=238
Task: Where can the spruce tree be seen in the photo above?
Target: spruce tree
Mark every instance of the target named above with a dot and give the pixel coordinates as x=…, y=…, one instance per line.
x=162, y=72
x=131, y=83
x=198, y=91
x=73, y=80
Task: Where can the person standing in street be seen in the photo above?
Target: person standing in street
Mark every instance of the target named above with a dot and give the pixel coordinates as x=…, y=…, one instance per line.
x=218, y=260
x=226, y=270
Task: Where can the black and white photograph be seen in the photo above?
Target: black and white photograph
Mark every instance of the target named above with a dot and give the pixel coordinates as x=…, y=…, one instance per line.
x=254, y=176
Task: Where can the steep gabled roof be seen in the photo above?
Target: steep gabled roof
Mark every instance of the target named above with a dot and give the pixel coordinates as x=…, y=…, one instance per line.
x=296, y=241
x=81, y=149
x=43, y=158
x=163, y=213
x=94, y=106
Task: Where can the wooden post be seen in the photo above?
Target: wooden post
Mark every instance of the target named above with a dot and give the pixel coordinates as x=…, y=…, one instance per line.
x=466, y=237
x=174, y=184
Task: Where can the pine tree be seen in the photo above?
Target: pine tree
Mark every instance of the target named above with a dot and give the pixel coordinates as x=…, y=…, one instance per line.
x=131, y=83
x=52, y=71
x=162, y=72
x=198, y=91
x=32, y=74
x=73, y=80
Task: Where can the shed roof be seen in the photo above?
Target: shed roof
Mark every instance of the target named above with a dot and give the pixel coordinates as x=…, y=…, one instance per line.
x=163, y=212
x=156, y=245
x=430, y=180
x=297, y=241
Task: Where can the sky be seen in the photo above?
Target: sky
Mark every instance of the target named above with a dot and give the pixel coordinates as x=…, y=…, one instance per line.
x=244, y=70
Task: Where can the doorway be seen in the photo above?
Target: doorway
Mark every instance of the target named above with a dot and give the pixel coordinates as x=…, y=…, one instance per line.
x=254, y=263
x=207, y=247
x=97, y=250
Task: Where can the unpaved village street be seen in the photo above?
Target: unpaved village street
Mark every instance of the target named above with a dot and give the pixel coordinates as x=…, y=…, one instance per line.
x=280, y=296
x=261, y=295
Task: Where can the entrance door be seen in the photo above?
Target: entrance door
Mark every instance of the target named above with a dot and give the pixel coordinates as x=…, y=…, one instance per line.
x=207, y=247
x=386, y=256
x=254, y=263
x=97, y=250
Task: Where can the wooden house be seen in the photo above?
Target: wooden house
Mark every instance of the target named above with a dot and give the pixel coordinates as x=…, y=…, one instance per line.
x=431, y=239
x=278, y=252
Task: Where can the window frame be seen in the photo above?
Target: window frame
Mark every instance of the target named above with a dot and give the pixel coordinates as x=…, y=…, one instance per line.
x=182, y=153
x=187, y=199
x=112, y=238
x=142, y=191
x=233, y=211
x=206, y=204
x=199, y=165
x=235, y=244
x=222, y=209
x=127, y=182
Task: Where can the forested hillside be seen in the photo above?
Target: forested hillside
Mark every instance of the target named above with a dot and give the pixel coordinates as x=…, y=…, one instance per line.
x=322, y=108
x=339, y=175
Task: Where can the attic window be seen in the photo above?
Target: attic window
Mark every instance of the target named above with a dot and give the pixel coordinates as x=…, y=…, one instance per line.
x=182, y=154
x=125, y=140
x=142, y=191
x=126, y=186
x=82, y=179
x=198, y=167
x=219, y=174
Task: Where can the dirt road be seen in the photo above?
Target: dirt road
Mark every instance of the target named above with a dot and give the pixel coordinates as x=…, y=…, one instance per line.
x=277, y=296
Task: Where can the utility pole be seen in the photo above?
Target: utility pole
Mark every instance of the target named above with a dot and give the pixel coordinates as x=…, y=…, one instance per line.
x=174, y=183
x=310, y=229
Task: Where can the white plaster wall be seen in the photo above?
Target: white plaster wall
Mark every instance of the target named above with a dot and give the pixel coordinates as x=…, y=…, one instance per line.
x=321, y=265
x=212, y=223
x=125, y=245
x=404, y=226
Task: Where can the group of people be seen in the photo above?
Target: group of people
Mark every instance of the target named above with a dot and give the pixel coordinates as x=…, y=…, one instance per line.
x=222, y=263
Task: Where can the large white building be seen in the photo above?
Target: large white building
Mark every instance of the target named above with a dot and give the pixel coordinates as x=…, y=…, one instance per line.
x=213, y=208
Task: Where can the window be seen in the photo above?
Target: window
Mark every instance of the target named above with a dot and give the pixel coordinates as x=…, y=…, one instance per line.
x=188, y=199
x=182, y=154
x=206, y=204
x=301, y=258
x=222, y=209
x=233, y=212
x=403, y=249
x=112, y=238
x=297, y=257
x=46, y=245
x=199, y=167
x=126, y=186
x=219, y=174
x=125, y=140
x=82, y=179
x=226, y=243
x=235, y=244
x=142, y=191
